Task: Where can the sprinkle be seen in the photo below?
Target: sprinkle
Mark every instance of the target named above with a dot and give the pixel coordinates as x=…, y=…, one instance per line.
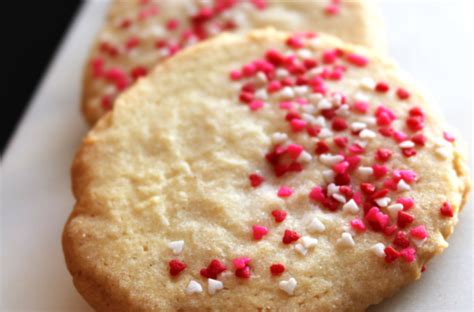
x=328, y=175
x=213, y=286
x=213, y=269
x=358, y=126
x=287, y=93
x=277, y=269
x=419, y=232
x=443, y=152
x=339, y=124
x=358, y=225
x=448, y=137
x=304, y=157
x=176, y=267
x=259, y=231
x=316, y=226
x=407, y=144
x=394, y=209
x=279, y=215
x=365, y=170
x=382, y=87
x=193, y=288
x=403, y=94
x=367, y=134
x=446, y=210
x=407, y=202
x=350, y=207
x=308, y=242
x=256, y=105
x=408, y=254
x=324, y=104
x=297, y=125
x=402, y=186
x=367, y=83
x=404, y=219
x=256, y=179
x=288, y=286
x=401, y=240
x=324, y=133
x=419, y=139
x=378, y=250
x=290, y=237
x=176, y=246
x=284, y=191
x=279, y=137
x=383, y=154
x=330, y=160
x=357, y=60
x=340, y=198
x=301, y=249
x=377, y=219
x=346, y=240
x=383, y=201
x=391, y=254
x=341, y=167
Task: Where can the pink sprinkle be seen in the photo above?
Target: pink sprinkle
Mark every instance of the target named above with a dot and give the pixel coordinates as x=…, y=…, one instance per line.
x=408, y=254
x=448, y=137
x=294, y=151
x=407, y=202
x=332, y=9
x=284, y=191
x=361, y=107
x=294, y=42
x=172, y=24
x=329, y=56
x=391, y=254
x=235, y=75
x=240, y=263
x=249, y=70
x=383, y=154
x=357, y=60
x=377, y=219
x=341, y=167
x=255, y=105
x=379, y=171
x=404, y=219
x=399, y=136
x=274, y=86
x=358, y=225
x=419, y=232
x=297, y=125
x=259, y=231
x=401, y=240
x=356, y=149
x=255, y=179
x=402, y=94
x=317, y=194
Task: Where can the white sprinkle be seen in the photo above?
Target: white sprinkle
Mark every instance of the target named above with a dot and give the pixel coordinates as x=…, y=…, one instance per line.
x=328, y=175
x=309, y=109
x=407, y=144
x=314, y=42
x=324, y=104
x=329, y=159
x=443, y=152
x=315, y=97
x=361, y=143
x=357, y=126
x=304, y=53
x=288, y=286
x=367, y=134
x=394, y=209
x=176, y=246
x=367, y=83
x=301, y=249
x=383, y=201
x=343, y=110
x=361, y=97
x=304, y=157
x=351, y=207
x=261, y=77
x=316, y=226
x=332, y=189
x=365, y=170
x=261, y=94
x=320, y=121
x=280, y=72
x=340, y=198
x=337, y=97
x=369, y=120
x=402, y=186
x=308, y=242
x=214, y=286
x=378, y=249
x=325, y=133
x=418, y=242
x=287, y=93
x=309, y=118
x=193, y=288
x=279, y=137
x=346, y=240
x=301, y=90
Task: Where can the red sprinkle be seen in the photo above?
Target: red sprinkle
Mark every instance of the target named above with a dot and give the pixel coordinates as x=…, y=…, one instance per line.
x=290, y=237
x=391, y=254
x=176, y=267
x=382, y=87
x=383, y=154
x=448, y=137
x=446, y=210
x=358, y=225
x=213, y=269
x=277, y=269
x=401, y=240
x=403, y=94
x=339, y=124
x=279, y=215
x=406, y=202
x=259, y=231
x=356, y=59
x=419, y=232
x=408, y=254
x=256, y=179
x=404, y=219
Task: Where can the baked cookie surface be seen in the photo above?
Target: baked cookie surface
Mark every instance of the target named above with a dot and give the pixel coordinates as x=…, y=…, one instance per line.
x=265, y=171
x=139, y=34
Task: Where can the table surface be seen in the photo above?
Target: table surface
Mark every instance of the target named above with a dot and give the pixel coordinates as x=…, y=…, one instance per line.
x=432, y=40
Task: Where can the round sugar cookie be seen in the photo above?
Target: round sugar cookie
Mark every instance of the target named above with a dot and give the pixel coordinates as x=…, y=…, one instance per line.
x=136, y=35
x=267, y=171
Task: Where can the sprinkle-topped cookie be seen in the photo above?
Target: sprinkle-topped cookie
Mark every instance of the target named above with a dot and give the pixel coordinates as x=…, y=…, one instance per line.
x=329, y=194
x=139, y=34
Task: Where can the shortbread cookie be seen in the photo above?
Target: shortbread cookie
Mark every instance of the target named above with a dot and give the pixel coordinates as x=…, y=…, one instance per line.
x=260, y=172
x=139, y=34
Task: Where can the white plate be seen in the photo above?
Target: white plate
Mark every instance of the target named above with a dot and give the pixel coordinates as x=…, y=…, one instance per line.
x=430, y=39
